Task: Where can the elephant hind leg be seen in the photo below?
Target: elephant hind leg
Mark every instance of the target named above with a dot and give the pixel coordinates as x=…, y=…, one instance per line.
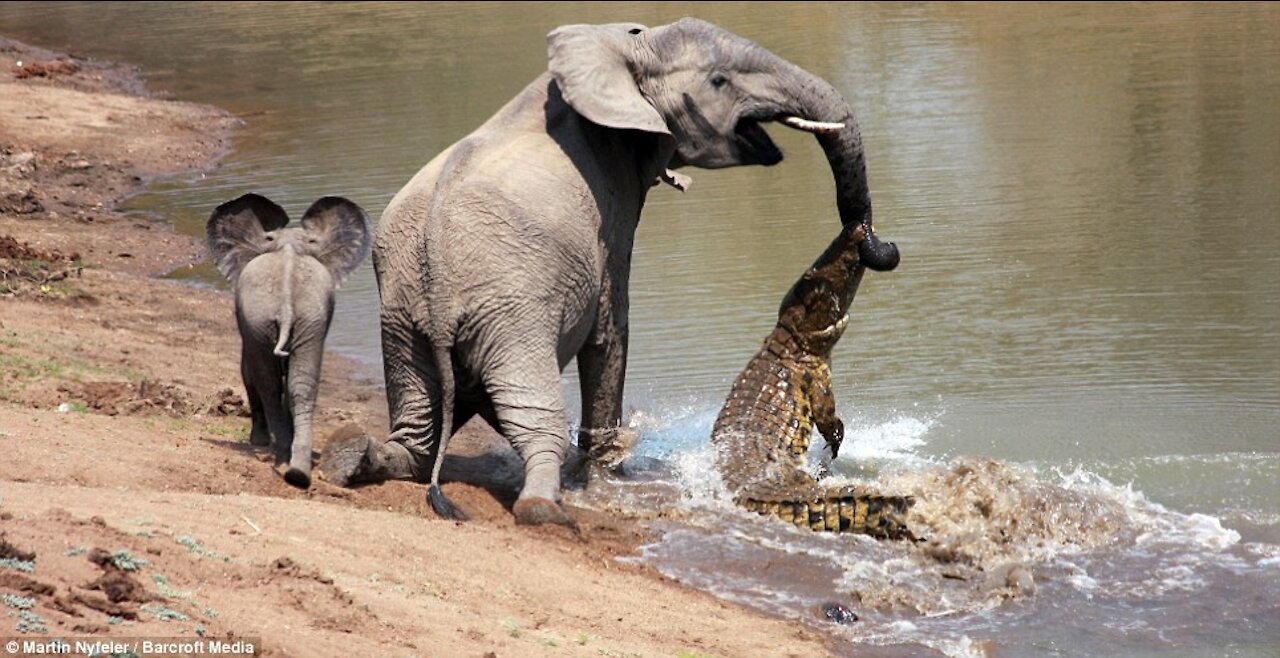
x=529, y=407
x=413, y=399
x=264, y=371
x=303, y=365
x=259, y=434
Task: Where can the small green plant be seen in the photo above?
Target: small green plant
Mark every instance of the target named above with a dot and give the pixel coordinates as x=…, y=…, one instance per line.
x=19, y=602
x=29, y=622
x=430, y=589
x=196, y=549
x=164, y=589
x=62, y=290
x=125, y=561
x=77, y=551
x=690, y=654
x=25, y=566
x=164, y=614
x=583, y=639
x=513, y=629
x=616, y=654
x=220, y=430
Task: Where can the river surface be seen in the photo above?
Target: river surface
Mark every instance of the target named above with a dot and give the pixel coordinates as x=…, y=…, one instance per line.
x=1087, y=199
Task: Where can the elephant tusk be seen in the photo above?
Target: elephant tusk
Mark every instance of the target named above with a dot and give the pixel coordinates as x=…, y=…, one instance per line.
x=674, y=179
x=817, y=127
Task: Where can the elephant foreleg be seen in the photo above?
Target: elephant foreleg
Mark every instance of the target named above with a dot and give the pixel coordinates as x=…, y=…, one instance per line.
x=602, y=367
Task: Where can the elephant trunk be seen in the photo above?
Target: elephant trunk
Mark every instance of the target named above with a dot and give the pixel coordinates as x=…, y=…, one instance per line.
x=853, y=198
x=824, y=112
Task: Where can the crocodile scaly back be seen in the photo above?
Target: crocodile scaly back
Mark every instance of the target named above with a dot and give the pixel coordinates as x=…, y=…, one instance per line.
x=762, y=433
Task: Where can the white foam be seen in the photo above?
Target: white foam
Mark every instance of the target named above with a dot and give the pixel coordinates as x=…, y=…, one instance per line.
x=699, y=479
x=897, y=439
x=1268, y=554
x=1208, y=532
x=965, y=647
x=903, y=627
x=1081, y=580
x=1159, y=524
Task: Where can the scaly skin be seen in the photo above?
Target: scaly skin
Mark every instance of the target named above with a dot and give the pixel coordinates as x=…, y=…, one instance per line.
x=763, y=430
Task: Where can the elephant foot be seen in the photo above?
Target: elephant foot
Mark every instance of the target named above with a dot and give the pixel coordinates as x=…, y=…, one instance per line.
x=346, y=459
x=610, y=447
x=298, y=477
x=259, y=437
x=541, y=511
x=575, y=471
x=352, y=457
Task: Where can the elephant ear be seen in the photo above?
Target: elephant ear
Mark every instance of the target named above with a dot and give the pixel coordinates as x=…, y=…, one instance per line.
x=236, y=232
x=591, y=65
x=343, y=233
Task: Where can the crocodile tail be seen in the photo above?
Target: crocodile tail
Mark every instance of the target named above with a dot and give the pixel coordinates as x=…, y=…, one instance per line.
x=845, y=511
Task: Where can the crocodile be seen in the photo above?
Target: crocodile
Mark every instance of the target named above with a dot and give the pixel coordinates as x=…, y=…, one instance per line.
x=762, y=433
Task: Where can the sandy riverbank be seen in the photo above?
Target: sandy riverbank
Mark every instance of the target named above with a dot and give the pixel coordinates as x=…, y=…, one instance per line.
x=122, y=428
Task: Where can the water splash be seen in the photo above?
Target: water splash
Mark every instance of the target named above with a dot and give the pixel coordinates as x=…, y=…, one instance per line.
x=700, y=480
x=1005, y=543
x=898, y=439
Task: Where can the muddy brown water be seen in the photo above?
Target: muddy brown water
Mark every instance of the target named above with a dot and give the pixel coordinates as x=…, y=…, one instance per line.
x=1087, y=198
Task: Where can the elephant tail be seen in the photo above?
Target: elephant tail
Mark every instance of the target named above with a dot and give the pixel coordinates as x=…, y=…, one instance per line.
x=285, y=319
x=439, y=502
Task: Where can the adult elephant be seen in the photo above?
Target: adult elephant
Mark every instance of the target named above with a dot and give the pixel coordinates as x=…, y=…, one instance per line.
x=509, y=253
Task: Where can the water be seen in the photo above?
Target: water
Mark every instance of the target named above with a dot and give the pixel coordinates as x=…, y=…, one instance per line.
x=1086, y=198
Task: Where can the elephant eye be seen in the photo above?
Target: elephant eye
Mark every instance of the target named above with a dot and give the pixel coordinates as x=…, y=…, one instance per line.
x=635, y=30
x=271, y=238
x=719, y=80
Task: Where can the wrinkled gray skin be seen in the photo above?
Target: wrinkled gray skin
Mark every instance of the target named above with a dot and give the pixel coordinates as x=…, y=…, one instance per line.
x=508, y=254
x=283, y=279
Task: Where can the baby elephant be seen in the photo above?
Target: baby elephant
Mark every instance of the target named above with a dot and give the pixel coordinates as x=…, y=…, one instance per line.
x=283, y=279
